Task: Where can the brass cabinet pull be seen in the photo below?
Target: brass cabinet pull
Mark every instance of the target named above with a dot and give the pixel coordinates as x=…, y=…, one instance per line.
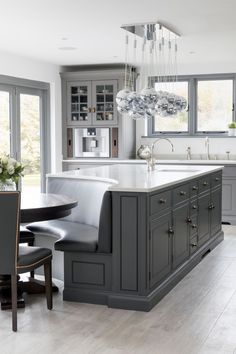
x=211, y=206
x=217, y=179
x=194, y=188
x=182, y=193
x=205, y=183
x=162, y=201
x=93, y=110
x=89, y=109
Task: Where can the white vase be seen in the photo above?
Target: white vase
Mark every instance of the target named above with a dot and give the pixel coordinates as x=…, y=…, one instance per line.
x=232, y=132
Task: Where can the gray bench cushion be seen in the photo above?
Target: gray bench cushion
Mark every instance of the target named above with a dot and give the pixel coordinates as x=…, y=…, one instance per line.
x=74, y=237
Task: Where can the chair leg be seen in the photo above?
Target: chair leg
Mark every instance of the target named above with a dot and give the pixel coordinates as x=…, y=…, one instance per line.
x=31, y=243
x=48, y=283
x=14, y=301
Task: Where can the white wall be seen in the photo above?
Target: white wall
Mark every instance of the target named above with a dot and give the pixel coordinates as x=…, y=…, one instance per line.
x=21, y=67
x=218, y=146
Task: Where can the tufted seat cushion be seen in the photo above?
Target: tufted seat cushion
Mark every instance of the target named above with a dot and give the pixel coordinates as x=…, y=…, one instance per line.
x=74, y=237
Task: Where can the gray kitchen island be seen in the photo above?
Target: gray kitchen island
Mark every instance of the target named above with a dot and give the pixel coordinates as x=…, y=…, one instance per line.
x=152, y=229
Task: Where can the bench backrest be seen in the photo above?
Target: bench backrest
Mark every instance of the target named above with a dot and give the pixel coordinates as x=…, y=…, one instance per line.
x=94, y=205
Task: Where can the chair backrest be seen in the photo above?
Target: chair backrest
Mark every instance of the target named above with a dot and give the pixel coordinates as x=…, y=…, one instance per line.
x=89, y=194
x=94, y=205
x=9, y=231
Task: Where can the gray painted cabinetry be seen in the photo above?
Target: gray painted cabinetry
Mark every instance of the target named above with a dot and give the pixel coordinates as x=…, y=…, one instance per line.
x=157, y=238
x=88, y=101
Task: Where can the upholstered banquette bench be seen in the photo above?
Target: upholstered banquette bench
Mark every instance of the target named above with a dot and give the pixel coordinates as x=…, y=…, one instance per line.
x=85, y=236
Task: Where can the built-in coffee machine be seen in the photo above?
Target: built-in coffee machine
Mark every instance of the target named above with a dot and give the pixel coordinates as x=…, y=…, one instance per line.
x=92, y=142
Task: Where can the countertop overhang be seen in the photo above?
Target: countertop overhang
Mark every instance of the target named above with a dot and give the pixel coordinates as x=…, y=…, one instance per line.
x=110, y=161
x=136, y=178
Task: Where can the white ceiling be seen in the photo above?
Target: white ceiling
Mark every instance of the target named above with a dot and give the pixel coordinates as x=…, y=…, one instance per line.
x=35, y=28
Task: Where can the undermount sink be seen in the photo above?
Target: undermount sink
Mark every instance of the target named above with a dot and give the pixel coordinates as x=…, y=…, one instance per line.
x=177, y=170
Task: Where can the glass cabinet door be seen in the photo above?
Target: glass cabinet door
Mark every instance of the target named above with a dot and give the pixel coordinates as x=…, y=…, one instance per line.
x=79, y=103
x=104, y=110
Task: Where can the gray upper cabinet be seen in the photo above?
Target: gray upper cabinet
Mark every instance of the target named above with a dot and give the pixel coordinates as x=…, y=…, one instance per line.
x=91, y=103
x=79, y=102
x=104, y=110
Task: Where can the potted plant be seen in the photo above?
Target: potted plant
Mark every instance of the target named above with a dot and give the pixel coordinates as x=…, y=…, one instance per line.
x=10, y=172
x=232, y=129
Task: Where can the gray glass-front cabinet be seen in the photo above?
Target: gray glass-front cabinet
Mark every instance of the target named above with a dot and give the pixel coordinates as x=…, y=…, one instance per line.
x=91, y=103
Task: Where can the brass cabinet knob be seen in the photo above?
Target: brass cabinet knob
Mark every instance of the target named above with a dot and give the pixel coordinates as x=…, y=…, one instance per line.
x=171, y=231
x=217, y=179
x=188, y=220
x=194, y=207
x=182, y=193
x=194, y=226
x=162, y=201
x=205, y=183
x=194, y=188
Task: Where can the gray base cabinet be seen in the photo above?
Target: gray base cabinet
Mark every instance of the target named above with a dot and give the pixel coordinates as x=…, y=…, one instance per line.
x=180, y=235
x=157, y=238
x=160, y=249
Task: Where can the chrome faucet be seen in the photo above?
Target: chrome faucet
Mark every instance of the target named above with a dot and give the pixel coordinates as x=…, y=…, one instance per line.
x=207, y=146
x=152, y=161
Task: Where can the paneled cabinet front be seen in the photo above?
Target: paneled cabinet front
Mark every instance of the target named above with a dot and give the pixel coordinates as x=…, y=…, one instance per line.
x=91, y=103
x=181, y=235
x=160, y=249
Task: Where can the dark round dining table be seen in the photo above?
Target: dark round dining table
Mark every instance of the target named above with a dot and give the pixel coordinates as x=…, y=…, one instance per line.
x=35, y=207
x=45, y=206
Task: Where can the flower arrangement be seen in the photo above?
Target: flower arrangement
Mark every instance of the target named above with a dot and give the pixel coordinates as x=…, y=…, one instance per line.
x=10, y=169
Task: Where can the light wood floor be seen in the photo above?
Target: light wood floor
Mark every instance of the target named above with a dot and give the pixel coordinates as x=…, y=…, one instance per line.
x=197, y=316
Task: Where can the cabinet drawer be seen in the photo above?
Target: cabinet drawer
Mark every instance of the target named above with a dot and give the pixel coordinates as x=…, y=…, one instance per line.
x=193, y=245
x=160, y=202
x=181, y=194
x=193, y=207
x=193, y=189
x=204, y=184
x=216, y=179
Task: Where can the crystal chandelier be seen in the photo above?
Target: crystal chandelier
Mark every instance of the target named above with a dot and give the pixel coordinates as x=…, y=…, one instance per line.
x=159, y=55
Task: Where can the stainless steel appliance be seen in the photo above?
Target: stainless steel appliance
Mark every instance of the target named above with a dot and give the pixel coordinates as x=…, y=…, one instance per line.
x=91, y=142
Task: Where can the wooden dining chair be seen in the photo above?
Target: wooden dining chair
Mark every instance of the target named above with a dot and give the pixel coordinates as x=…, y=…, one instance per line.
x=16, y=259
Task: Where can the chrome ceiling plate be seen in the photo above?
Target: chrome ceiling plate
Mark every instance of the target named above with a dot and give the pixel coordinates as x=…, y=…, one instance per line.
x=148, y=29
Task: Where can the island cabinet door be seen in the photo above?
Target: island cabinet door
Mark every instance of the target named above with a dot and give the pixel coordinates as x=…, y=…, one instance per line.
x=203, y=219
x=181, y=235
x=216, y=211
x=159, y=249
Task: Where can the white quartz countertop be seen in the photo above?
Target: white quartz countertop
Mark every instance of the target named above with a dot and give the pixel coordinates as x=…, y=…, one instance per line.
x=138, y=161
x=136, y=178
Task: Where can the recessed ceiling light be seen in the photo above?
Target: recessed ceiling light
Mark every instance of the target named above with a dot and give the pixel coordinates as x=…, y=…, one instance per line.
x=67, y=48
x=64, y=39
x=192, y=52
